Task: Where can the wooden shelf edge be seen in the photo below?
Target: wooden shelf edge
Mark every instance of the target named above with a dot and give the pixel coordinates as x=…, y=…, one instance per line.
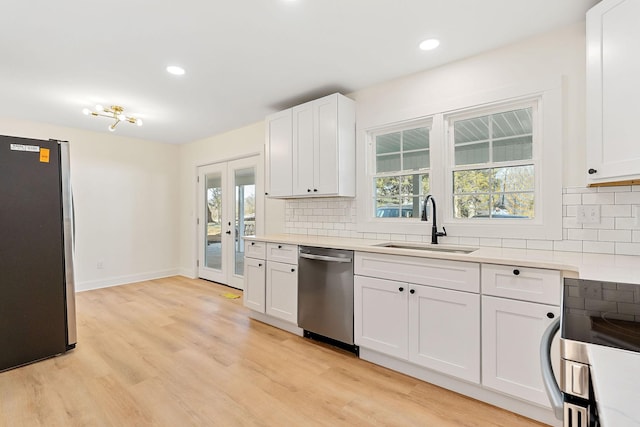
x=615, y=183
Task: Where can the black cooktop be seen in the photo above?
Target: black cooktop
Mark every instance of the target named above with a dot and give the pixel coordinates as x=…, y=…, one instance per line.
x=604, y=313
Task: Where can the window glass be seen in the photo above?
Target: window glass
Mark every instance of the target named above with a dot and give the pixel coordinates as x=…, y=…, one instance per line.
x=401, y=180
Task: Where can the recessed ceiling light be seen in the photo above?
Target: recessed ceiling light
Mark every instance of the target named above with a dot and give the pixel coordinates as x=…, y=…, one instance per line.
x=175, y=70
x=429, y=44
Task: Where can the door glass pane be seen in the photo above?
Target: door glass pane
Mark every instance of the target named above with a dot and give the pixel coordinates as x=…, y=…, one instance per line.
x=213, y=242
x=245, y=213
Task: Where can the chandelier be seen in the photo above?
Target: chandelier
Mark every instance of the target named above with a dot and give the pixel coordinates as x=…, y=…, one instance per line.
x=115, y=112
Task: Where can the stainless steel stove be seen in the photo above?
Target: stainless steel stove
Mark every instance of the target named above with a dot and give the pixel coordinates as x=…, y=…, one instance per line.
x=593, y=313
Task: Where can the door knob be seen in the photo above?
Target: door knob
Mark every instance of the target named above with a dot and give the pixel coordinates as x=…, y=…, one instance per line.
x=592, y=171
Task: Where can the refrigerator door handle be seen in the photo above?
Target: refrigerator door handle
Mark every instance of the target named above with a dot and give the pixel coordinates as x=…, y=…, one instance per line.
x=551, y=386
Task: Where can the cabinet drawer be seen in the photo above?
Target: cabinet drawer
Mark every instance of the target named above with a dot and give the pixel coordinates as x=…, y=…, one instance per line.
x=255, y=250
x=282, y=252
x=456, y=275
x=528, y=284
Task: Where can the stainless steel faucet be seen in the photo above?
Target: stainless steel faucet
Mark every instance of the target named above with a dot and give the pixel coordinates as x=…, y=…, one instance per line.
x=434, y=226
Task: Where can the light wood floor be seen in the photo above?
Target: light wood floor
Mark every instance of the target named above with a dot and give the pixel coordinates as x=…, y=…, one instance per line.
x=175, y=352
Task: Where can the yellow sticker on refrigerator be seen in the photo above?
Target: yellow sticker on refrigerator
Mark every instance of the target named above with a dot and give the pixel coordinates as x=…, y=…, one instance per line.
x=44, y=155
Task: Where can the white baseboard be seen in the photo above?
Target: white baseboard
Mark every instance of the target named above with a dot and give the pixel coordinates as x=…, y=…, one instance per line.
x=187, y=272
x=278, y=323
x=122, y=280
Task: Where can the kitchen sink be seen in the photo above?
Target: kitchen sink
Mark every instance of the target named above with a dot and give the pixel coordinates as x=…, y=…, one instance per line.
x=429, y=248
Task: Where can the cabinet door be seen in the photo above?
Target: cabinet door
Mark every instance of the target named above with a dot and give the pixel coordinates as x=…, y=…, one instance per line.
x=380, y=315
x=511, y=334
x=326, y=171
x=444, y=331
x=279, y=163
x=282, y=291
x=303, y=150
x=254, y=284
x=613, y=34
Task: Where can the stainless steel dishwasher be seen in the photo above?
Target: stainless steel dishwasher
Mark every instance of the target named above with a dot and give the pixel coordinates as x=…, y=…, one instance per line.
x=325, y=294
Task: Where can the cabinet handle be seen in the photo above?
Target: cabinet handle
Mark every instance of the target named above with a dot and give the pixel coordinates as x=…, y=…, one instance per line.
x=516, y=272
x=412, y=291
x=228, y=232
x=266, y=194
x=550, y=315
x=315, y=190
x=253, y=243
x=293, y=269
x=259, y=265
x=592, y=171
x=401, y=289
x=279, y=246
x=308, y=190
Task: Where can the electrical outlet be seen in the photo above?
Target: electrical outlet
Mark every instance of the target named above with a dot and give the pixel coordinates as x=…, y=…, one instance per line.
x=588, y=214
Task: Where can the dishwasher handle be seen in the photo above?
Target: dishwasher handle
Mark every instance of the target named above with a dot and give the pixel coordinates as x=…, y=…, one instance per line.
x=324, y=258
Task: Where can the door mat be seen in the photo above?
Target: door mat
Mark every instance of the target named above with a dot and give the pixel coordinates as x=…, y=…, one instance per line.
x=229, y=295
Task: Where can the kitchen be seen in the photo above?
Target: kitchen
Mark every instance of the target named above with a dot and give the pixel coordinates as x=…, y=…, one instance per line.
x=118, y=168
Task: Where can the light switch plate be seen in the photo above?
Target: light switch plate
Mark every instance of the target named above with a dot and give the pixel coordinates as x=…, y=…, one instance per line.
x=588, y=214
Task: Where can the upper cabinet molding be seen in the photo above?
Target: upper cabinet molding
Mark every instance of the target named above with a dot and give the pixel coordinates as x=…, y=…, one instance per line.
x=613, y=91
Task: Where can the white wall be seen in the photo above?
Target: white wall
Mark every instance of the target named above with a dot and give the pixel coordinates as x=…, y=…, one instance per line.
x=238, y=143
x=126, y=203
x=547, y=56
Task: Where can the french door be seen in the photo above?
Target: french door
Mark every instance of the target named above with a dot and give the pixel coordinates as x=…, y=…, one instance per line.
x=226, y=212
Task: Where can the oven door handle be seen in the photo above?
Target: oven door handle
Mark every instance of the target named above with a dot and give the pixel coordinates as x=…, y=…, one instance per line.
x=551, y=386
x=324, y=258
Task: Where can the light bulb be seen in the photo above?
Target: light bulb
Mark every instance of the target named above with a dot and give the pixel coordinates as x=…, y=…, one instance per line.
x=429, y=44
x=139, y=122
x=175, y=70
x=86, y=111
x=122, y=117
x=112, y=128
x=99, y=107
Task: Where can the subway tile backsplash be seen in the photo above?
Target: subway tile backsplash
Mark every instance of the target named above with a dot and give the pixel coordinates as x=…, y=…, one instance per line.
x=616, y=232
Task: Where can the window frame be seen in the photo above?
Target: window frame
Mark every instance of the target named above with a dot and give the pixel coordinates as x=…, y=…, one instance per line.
x=371, y=157
x=449, y=141
x=416, y=124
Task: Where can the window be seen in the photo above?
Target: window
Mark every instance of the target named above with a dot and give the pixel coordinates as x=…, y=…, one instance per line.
x=491, y=159
x=493, y=176
x=401, y=178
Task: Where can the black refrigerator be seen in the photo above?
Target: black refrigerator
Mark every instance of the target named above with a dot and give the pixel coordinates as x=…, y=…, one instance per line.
x=37, y=295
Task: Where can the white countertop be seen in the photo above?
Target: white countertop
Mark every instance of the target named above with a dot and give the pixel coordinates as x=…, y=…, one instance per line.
x=616, y=375
x=611, y=268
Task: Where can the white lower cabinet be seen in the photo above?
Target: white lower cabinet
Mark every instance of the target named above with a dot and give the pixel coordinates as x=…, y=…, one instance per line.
x=380, y=316
x=511, y=334
x=444, y=331
x=271, y=280
x=254, y=284
x=432, y=327
x=282, y=291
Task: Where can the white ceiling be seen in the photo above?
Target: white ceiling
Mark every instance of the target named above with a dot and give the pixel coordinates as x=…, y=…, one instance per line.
x=244, y=58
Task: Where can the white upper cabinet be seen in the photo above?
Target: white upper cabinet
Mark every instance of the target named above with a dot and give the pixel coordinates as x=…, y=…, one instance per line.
x=278, y=154
x=320, y=160
x=613, y=67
